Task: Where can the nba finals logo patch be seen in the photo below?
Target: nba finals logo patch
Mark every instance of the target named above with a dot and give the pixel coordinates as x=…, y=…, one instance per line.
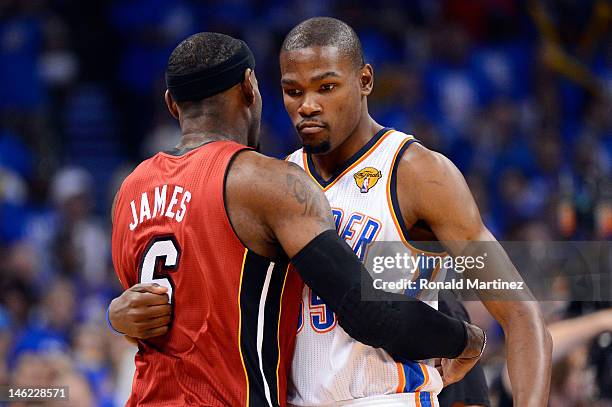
x=366, y=178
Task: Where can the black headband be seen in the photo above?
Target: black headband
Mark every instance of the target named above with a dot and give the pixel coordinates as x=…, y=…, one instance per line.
x=210, y=81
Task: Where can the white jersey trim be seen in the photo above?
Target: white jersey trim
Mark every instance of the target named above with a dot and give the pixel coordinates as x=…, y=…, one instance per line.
x=260, y=328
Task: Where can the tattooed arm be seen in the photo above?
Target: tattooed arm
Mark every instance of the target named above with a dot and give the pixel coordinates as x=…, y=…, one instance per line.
x=273, y=206
x=282, y=210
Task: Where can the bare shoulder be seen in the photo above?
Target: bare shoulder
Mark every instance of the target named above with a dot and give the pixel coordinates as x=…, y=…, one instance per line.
x=273, y=203
x=249, y=160
x=275, y=185
x=431, y=188
x=262, y=175
x=423, y=167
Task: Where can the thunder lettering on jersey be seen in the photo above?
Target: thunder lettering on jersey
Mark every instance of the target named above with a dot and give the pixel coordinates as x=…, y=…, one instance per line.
x=328, y=365
x=358, y=230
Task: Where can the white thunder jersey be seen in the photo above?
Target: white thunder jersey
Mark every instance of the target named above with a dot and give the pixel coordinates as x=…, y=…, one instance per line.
x=329, y=367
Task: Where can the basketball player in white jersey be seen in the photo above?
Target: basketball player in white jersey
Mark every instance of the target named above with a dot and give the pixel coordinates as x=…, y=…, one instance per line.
x=383, y=186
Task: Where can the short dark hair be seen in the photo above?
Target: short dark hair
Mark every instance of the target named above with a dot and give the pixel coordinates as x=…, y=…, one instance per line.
x=200, y=51
x=323, y=32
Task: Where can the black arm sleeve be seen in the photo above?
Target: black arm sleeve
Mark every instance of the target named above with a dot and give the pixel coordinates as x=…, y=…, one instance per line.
x=406, y=328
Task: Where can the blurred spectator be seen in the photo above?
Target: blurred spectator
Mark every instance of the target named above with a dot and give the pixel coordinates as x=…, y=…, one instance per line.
x=91, y=358
x=81, y=244
x=50, y=325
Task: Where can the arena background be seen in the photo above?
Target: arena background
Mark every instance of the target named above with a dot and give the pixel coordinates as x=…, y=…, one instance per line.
x=518, y=94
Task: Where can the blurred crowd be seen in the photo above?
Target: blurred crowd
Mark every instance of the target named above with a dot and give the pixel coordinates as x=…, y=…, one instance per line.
x=517, y=93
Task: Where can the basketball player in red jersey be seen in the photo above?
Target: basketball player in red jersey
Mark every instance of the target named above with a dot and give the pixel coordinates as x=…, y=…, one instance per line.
x=215, y=224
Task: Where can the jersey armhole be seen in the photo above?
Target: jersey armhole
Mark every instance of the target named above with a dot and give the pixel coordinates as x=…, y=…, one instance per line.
x=225, y=211
x=227, y=216
x=394, y=206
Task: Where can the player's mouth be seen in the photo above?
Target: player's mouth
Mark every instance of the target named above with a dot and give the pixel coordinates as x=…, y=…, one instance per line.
x=310, y=127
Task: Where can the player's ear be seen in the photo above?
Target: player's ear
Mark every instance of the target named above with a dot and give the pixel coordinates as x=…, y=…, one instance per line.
x=366, y=79
x=171, y=105
x=248, y=86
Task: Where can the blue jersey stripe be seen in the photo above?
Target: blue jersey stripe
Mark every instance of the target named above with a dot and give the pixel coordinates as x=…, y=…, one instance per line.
x=414, y=376
x=425, y=399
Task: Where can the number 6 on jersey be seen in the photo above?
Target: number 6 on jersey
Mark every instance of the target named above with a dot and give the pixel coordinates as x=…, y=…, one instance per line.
x=149, y=272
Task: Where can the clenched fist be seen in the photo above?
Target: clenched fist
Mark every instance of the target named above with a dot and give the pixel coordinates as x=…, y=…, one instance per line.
x=142, y=311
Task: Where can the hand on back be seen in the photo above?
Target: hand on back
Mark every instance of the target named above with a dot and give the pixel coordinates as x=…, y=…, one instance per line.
x=142, y=311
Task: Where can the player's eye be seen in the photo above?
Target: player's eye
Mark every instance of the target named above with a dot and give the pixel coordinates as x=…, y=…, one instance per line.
x=328, y=86
x=293, y=92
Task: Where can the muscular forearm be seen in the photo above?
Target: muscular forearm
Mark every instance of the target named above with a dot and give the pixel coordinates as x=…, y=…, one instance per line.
x=529, y=349
x=528, y=342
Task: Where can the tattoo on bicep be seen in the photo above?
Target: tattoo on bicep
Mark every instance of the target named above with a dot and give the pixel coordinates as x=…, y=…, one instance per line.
x=312, y=203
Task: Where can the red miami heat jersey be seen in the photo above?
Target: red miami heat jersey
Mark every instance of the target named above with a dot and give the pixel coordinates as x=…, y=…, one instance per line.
x=234, y=312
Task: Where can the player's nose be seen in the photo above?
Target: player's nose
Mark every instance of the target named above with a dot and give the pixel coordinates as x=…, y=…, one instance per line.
x=310, y=107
